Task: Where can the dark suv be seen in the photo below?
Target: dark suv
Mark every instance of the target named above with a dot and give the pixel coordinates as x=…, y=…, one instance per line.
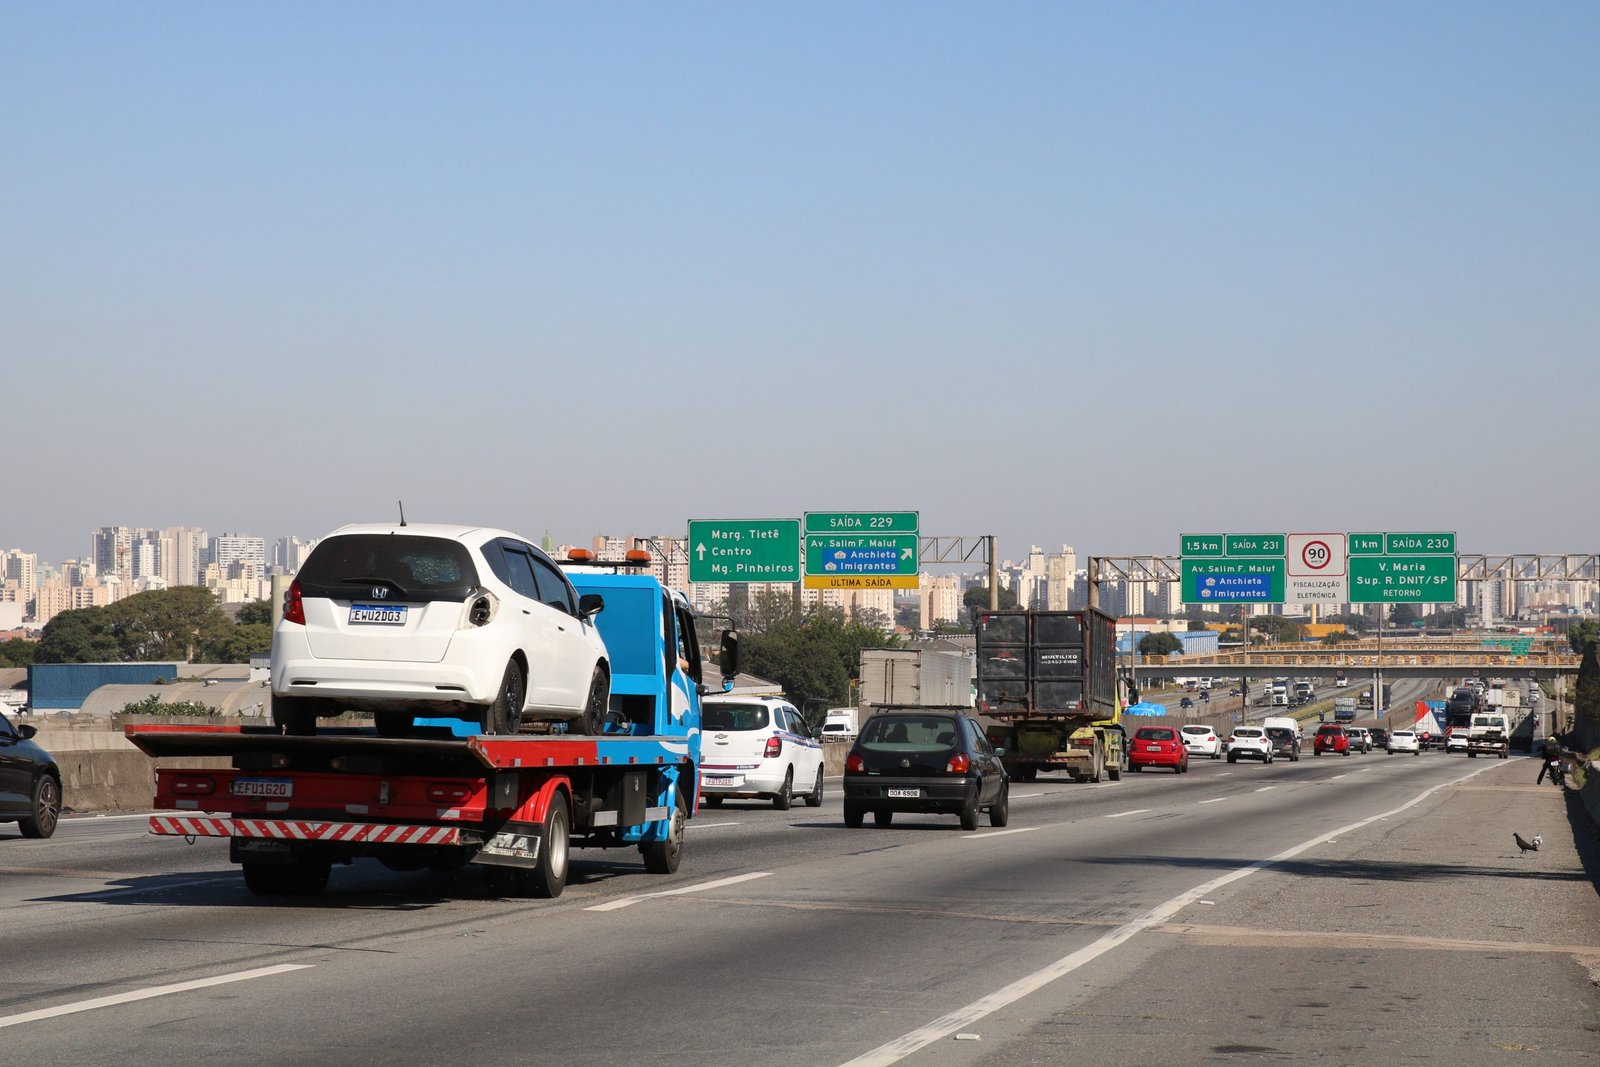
x=1285, y=742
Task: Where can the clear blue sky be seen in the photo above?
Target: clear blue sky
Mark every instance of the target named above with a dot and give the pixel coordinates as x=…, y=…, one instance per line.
x=1086, y=273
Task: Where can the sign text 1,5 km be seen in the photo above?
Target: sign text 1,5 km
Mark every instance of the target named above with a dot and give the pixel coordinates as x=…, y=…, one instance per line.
x=744, y=550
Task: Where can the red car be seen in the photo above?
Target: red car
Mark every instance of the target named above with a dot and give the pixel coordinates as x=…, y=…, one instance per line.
x=1331, y=738
x=1158, y=746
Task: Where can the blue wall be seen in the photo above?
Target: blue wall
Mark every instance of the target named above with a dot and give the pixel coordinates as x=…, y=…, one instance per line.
x=65, y=686
x=1200, y=642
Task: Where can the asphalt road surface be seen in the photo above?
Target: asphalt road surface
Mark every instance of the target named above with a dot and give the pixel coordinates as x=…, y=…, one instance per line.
x=1367, y=909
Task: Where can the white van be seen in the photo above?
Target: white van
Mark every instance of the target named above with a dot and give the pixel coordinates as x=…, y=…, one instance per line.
x=841, y=724
x=1282, y=720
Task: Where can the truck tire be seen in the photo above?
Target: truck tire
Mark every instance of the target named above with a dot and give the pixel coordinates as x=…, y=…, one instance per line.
x=814, y=798
x=504, y=716
x=663, y=857
x=548, y=877
x=595, y=707
x=306, y=876
x=295, y=716
x=1097, y=763
x=1023, y=774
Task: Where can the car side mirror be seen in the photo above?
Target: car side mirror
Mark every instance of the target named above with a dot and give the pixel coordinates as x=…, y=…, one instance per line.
x=26, y=731
x=999, y=752
x=590, y=605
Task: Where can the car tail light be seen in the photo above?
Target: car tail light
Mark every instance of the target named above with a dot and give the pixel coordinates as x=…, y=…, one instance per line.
x=293, y=610
x=959, y=764
x=774, y=748
x=482, y=609
x=1230, y=740
x=448, y=792
x=854, y=763
x=194, y=785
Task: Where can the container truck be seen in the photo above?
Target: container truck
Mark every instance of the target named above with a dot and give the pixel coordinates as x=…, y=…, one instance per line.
x=292, y=806
x=911, y=676
x=1048, y=688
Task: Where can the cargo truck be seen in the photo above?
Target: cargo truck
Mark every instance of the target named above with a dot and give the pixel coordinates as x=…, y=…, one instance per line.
x=1048, y=689
x=443, y=797
x=1489, y=733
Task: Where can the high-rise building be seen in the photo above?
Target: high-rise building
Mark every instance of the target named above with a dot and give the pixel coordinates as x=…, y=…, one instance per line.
x=111, y=550
x=1061, y=570
x=23, y=569
x=940, y=600
x=230, y=548
x=289, y=554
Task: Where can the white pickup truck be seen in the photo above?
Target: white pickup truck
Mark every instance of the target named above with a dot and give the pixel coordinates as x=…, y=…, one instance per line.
x=1490, y=733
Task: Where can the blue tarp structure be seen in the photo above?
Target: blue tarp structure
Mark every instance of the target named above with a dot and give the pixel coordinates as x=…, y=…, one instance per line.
x=1145, y=707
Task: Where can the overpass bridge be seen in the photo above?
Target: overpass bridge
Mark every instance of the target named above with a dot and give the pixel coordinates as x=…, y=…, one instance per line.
x=1356, y=660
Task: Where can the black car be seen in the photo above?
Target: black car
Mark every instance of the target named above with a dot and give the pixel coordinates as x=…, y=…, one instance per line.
x=1285, y=742
x=30, y=782
x=924, y=761
x=1380, y=737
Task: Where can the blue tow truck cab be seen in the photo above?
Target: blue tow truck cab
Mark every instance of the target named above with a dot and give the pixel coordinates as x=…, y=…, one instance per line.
x=294, y=805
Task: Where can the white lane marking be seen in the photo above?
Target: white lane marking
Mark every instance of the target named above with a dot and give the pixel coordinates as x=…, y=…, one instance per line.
x=1135, y=811
x=623, y=902
x=146, y=994
x=1336, y=777
x=1026, y=796
x=1264, y=788
x=711, y=825
x=68, y=820
x=1223, y=774
x=964, y=1018
x=1214, y=800
x=998, y=833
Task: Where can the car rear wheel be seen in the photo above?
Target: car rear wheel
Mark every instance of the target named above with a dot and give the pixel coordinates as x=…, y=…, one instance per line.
x=784, y=797
x=1000, y=810
x=595, y=708
x=854, y=815
x=504, y=716
x=711, y=802
x=969, y=813
x=882, y=817
x=45, y=810
x=814, y=798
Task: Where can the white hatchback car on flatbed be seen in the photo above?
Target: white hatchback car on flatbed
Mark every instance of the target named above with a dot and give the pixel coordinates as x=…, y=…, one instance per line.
x=757, y=747
x=463, y=621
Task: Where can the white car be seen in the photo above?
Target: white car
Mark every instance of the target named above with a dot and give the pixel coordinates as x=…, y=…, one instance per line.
x=757, y=747
x=1456, y=741
x=1249, y=742
x=1403, y=741
x=1201, y=740
x=461, y=621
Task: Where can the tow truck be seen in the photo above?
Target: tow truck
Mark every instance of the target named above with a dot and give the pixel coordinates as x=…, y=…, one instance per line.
x=444, y=797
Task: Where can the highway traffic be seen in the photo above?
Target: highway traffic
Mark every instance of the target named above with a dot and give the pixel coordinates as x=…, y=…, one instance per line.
x=1095, y=919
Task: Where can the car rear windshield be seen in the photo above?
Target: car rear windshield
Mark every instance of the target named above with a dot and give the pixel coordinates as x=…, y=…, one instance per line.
x=908, y=732
x=1247, y=731
x=1154, y=733
x=1197, y=729
x=1279, y=731
x=1330, y=729
x=1402, y=733
x=734, y=717
x=351, y=566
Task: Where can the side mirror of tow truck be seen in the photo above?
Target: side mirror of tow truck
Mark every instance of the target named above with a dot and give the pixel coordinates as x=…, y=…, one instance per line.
x=728, y=658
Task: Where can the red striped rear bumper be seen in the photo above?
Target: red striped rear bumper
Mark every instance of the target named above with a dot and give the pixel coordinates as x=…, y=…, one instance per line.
x=302, y=830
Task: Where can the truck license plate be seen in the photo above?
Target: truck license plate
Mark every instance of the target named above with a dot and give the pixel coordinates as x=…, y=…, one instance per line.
x=910, y=794
x=385, y=614
x=262, y=787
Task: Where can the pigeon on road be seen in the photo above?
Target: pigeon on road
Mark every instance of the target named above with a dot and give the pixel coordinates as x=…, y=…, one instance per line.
x=1527, y=846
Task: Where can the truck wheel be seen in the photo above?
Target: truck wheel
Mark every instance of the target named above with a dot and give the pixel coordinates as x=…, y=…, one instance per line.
x=305, y=877
x=1114, y=771
x=596, y=707
x=549, y=877
x=854, y=815
x=814, y=798
x=1024, y=774
x=1000, y=810
x=504, y=716
x=45, y=809
x=784, y=797
x=663, y=857
x=295, y=716
x=1471, y=754
x=1097, y=767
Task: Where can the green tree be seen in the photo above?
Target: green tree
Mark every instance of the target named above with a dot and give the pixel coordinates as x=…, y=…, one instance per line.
x=150, y=705
x=256, y=611
x=17, y=652
x=1583, y=633
x=1159, y=643
x=1586, y=700
x=1196, y=626
x=237, y=643
x=813, y=657
x=86, y=635
x=976, y=600
x=169, y=624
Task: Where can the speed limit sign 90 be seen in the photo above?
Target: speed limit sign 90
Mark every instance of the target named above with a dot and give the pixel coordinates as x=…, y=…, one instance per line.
x=1315, y=555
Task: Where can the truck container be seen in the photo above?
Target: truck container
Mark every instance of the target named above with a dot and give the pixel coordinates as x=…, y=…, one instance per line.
x=292, y=806
x=1047, y=684
x=903, y=676
x=1344, y=709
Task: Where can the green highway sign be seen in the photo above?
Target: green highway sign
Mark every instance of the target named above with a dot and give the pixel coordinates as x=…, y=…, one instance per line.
x=1365, y=544
x=1403, y=579
x=1254, y=545
x=869, y=522
x=1419, y=544
x=1202, y=545
x=744, y=550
